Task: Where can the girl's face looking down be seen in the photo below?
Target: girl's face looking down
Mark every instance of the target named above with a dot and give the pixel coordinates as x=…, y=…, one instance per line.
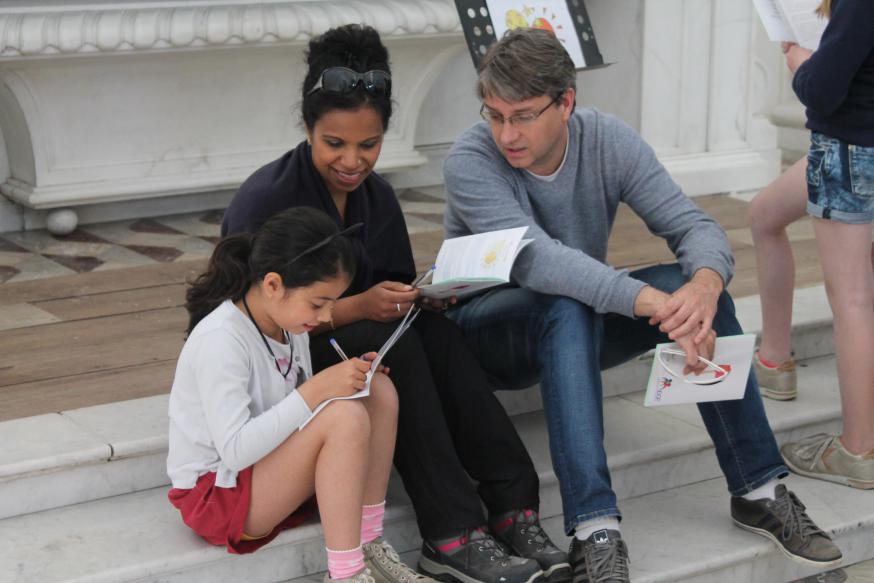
x=301, y=309
x=346, y=145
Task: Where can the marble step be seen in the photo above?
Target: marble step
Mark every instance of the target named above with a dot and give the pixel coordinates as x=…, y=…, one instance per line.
x=52, y=461
x=682, y=534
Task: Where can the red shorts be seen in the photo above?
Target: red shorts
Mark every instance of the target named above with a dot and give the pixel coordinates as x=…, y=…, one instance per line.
x=219, y=514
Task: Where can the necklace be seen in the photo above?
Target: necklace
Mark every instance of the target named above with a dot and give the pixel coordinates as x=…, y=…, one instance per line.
x=267, y=344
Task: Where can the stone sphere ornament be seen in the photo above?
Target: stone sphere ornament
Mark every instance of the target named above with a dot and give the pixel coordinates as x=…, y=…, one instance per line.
x=62, y=221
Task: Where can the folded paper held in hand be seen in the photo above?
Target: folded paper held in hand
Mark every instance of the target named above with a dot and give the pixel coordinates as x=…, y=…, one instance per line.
x=725, y=378
x=404, y=325
x=793, y=21
x=467, y=265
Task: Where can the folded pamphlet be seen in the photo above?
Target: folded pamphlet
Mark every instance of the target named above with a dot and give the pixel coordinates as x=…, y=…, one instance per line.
x=725, y=380
x=793, y=21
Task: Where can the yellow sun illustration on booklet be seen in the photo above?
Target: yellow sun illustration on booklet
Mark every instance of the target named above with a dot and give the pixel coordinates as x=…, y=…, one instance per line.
x=519, y=19
x=491, y=256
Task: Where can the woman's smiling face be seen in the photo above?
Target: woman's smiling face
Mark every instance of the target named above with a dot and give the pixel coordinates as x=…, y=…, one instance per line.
x=346, y=145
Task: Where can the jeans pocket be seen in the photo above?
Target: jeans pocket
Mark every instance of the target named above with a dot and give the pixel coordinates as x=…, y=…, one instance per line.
x=815, y=158
x=862, y=171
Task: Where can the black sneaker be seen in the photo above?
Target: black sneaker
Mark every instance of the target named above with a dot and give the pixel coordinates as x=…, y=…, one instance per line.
x=521, y=534
x=601, y=558
x=784, y=521
x=477, y=559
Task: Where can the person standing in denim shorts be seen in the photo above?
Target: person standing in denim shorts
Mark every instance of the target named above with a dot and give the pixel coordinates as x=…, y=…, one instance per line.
x=836, y=84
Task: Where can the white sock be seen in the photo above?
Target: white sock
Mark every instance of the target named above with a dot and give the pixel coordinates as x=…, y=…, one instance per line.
x=585, y=529
x=764, y=491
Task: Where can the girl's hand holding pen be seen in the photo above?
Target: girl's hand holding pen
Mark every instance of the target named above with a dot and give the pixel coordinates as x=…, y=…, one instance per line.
x=341, y=380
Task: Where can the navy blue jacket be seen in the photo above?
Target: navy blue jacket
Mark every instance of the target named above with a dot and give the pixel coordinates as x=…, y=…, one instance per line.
x=837, y=82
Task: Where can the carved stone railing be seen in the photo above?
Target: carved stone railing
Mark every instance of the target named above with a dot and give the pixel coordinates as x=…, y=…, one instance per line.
x=110, y=103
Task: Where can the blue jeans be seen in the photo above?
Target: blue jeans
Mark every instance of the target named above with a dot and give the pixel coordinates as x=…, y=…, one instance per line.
x=840, y=180
x=522, y=337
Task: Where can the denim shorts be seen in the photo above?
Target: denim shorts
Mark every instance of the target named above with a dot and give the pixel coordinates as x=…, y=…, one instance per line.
x=840, y=180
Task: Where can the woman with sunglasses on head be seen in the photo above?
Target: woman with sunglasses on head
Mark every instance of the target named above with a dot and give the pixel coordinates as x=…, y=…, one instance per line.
x=242, y=465
x=451, y=428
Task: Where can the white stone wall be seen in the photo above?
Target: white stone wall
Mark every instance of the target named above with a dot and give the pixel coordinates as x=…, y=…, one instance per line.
x=122, y=108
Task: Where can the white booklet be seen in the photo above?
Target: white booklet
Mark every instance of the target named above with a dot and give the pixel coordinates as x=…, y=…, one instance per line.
x=467, y=265
x=792, y=21
x=405, y=324
x=724, y=381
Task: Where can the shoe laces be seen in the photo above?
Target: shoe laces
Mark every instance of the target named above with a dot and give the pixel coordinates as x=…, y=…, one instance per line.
x=791, y=512
x=402, y=570
x=810, y=449
x=607, y=562
x=533, y=529
x=489, y=546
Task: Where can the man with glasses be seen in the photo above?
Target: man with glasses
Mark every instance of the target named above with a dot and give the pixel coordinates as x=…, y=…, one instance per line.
x=538, y=162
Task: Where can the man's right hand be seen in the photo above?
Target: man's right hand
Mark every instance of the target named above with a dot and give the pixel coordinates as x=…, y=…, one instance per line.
x=387, y=301
x=705, y=349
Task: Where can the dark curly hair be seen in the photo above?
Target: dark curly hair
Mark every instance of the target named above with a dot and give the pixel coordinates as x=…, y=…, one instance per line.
x=357, y=47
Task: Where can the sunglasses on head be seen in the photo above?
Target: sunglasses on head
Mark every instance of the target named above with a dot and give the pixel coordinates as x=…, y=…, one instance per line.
x=344, y=80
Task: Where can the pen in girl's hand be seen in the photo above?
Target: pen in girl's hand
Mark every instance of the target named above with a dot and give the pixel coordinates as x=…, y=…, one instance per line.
x=338, y=349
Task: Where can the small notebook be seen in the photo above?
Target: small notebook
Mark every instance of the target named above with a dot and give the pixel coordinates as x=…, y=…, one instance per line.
x=734, y=356
x=471, y=264
x=405, y=324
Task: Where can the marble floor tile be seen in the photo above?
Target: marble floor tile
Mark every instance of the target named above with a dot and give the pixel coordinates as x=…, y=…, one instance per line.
x=37, y=267
x=23, y=315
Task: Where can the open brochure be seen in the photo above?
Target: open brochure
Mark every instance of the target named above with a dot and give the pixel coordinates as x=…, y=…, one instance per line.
x=405, y=324
x=724, y=380
x=792, y=21
x=467, y=265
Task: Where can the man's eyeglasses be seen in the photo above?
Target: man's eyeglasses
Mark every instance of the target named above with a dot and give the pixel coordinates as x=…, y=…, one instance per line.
x=344, y=80
x=518, y=120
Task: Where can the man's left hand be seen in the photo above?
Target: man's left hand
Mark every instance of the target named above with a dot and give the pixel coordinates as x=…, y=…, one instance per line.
x=691, y=308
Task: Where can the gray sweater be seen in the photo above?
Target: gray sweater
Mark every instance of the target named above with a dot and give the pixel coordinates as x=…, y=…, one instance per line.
x=570, y=218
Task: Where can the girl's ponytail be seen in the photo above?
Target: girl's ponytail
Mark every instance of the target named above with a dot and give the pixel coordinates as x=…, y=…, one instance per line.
x=825, y=9
x=227, y=276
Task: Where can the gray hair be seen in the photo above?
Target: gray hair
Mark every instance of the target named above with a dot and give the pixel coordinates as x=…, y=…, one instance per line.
x=526, y=63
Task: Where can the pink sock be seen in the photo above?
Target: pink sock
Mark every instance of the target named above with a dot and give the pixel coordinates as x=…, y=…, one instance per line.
x=767, y=363
x=371, y=521
x=344, y=564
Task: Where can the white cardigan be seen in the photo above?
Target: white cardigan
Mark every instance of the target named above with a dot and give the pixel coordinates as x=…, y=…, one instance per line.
x=229, y=406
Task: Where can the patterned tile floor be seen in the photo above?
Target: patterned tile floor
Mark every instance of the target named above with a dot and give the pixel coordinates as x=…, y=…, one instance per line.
x=38, y=254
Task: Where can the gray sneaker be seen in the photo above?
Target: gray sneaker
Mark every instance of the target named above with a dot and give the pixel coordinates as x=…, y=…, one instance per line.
x=520, y=533
x=823, y=456
x=784, y=521
x=601, y=558
x=362, y=576
x=779, y=383
x=478, y=558
x=386, y=566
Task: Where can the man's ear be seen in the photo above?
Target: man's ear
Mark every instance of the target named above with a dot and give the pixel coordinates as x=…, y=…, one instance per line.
x=567, y=103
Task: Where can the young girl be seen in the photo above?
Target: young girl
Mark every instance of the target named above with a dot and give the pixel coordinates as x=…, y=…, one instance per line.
x=836, y=83
x=457, y=449
x=242, y=469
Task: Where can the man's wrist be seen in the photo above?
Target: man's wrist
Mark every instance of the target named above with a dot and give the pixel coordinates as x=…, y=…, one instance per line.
x=709, y=277
x=648, y=301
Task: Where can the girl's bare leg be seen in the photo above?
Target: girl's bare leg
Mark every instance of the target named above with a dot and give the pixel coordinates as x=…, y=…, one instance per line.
x=331, y=453
x=845, y=251
x=779, y=204
x=382, y=406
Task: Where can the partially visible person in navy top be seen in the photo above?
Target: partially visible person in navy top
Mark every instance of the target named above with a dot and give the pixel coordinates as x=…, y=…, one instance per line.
x=836, y=83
